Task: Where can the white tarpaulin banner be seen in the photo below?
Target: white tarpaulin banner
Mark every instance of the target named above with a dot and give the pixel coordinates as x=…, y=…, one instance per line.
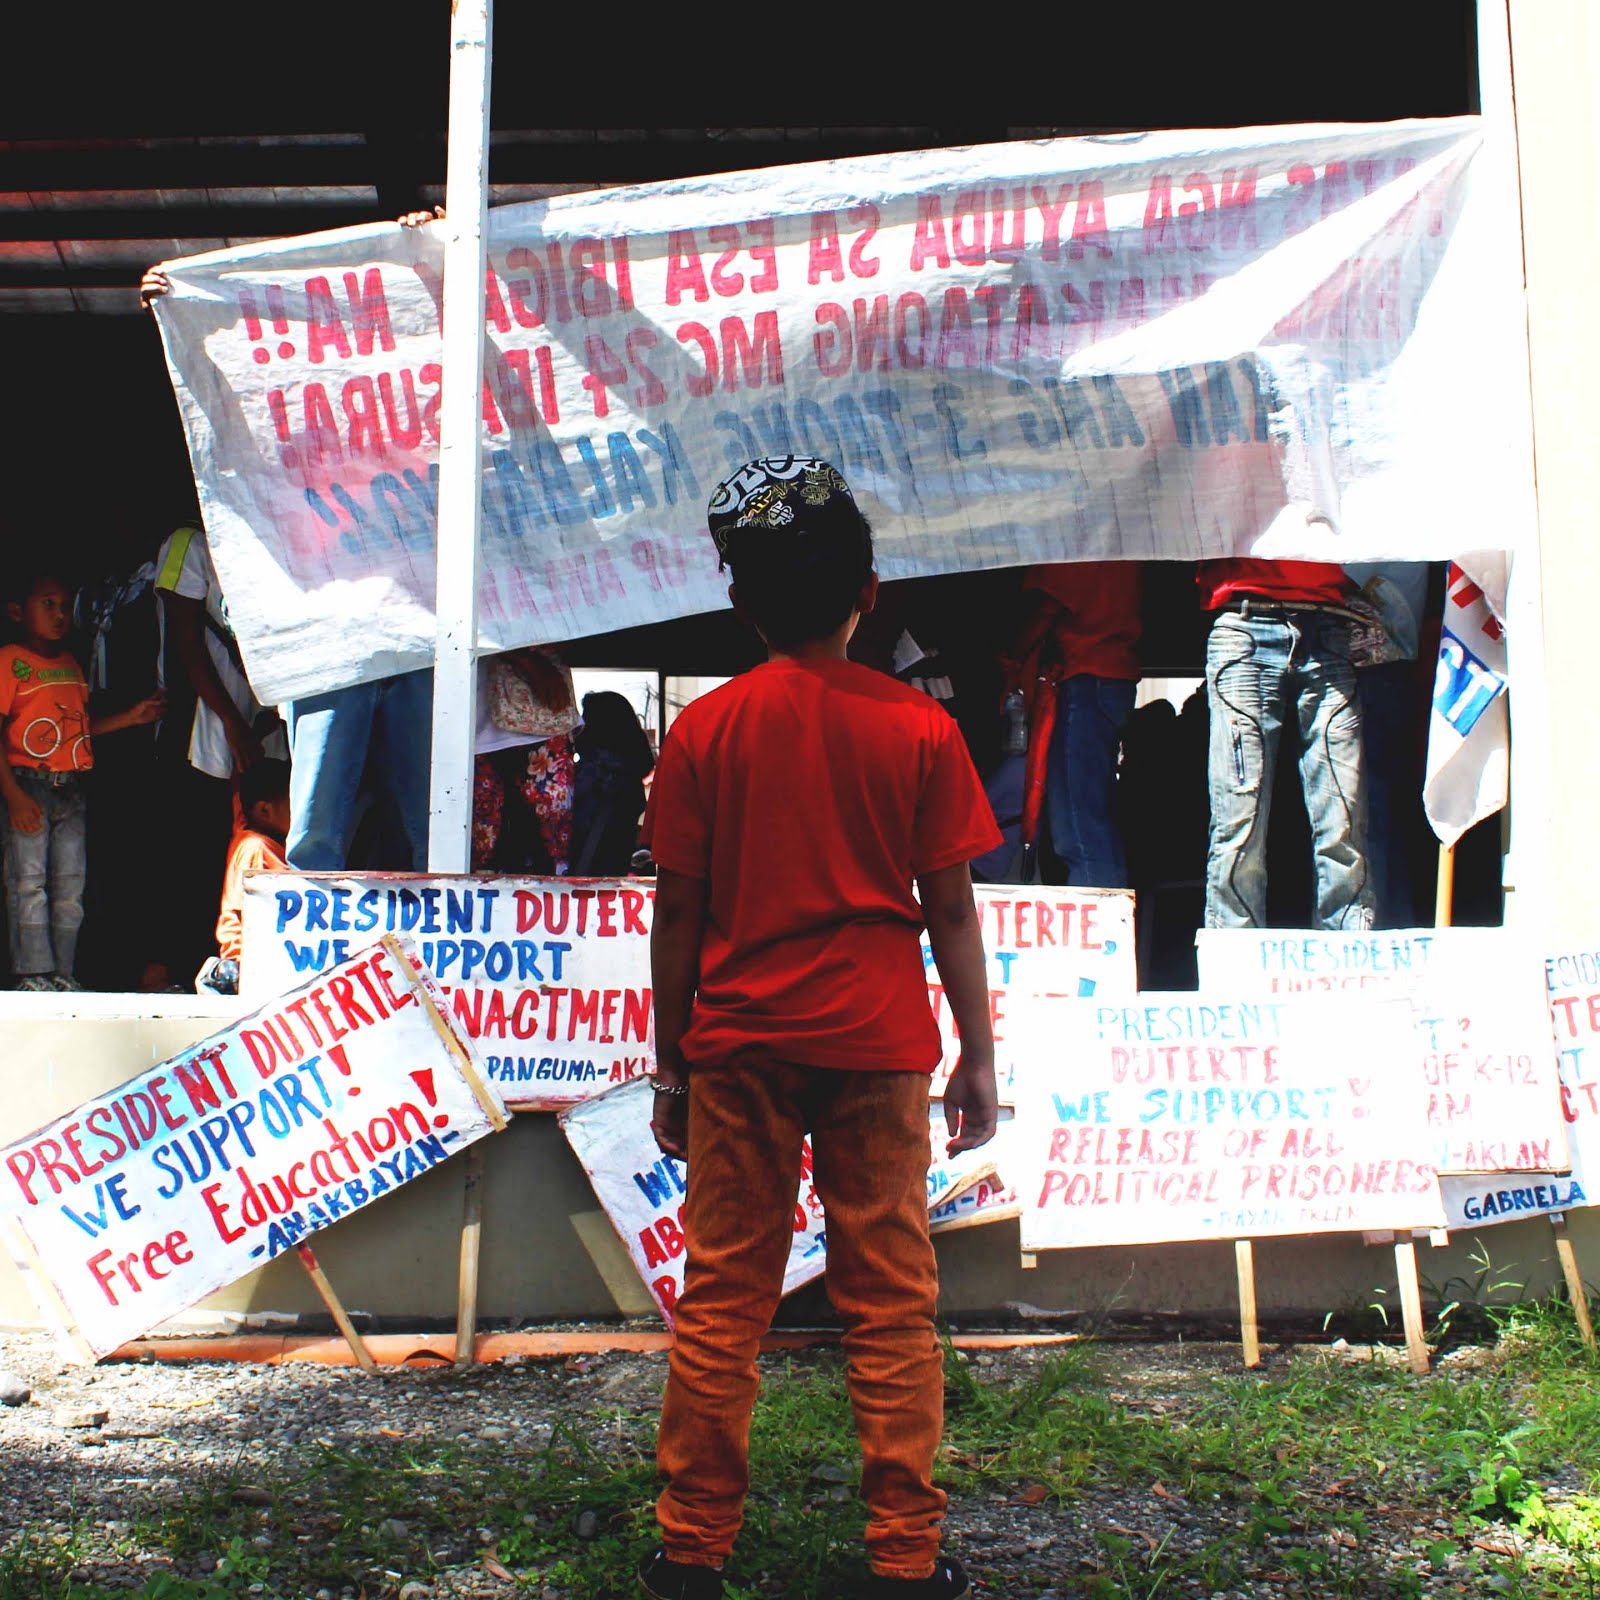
x=1171, y=345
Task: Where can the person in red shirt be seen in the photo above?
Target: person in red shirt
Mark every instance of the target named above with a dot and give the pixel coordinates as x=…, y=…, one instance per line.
x=1279, y=651
x=257, y=847
x=44, y=703
x=806, y=820
x=1082, y=617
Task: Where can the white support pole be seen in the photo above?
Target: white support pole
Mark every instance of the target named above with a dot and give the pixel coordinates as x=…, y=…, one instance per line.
x=466, y=228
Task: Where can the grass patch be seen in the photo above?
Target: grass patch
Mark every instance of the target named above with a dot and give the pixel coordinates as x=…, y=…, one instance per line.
x=1324, y=1476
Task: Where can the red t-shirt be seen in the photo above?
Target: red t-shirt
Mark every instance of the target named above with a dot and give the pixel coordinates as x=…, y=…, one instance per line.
x=1312, y=583
x=1097, y=632
x=809, y=795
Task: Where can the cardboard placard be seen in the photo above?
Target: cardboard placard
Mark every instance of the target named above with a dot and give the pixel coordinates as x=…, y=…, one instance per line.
x=151, y=1196
x=642, y=1191
x=1039, y=941
x=1203, y=1116
x=551, y=976
x=1481, y=1020
x=1572, y=982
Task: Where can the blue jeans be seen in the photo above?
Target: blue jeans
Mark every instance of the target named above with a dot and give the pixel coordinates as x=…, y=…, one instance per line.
x=44, y=875
x=1081, y=779
x=1260, y=669
x=329, y=735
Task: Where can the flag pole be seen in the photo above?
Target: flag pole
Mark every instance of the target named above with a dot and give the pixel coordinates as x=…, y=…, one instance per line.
x=1444, y=893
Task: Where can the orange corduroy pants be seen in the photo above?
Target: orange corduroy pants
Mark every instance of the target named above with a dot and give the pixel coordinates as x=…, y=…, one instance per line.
x=870, y=1145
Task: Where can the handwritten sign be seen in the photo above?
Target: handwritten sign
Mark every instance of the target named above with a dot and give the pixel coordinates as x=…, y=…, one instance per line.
x=1178, y=344
x=643, y=1191
x=149, y=1197
x=983, y=1201
x=1477, y=1200
x=1572, y=979
x=989, y=1198
x=1202, y=1116
x=1039, y=941
x=1481, y=1022
x=550, y=976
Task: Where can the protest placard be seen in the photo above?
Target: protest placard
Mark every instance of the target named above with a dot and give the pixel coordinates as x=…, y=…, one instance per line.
x=1178, y=344
x=551, y=976
x=1481, y=1019
x=154, y=1194
x=1203, y=1116
x=1039, y=941
x=642, y=1191
x=982, y=1201
x=1572, y=981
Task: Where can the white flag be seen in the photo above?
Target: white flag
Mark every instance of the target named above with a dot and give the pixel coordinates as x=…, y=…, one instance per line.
x=1469, y=743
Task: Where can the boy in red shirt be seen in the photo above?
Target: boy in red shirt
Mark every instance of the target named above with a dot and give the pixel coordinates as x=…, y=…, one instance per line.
x=791, y=812
x=44, y=703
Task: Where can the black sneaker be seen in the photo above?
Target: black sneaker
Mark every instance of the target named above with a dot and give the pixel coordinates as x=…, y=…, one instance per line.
x=948, y=1581
x=677, y=1580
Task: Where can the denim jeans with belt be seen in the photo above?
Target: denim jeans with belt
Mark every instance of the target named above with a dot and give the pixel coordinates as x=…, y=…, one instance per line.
x=44, y=874
x=328, y=739
x=1081, y=779
x=1266, y=664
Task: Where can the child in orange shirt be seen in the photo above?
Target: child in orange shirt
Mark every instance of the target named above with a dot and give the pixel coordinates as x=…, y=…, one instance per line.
x=256, y=847
x=44, y=703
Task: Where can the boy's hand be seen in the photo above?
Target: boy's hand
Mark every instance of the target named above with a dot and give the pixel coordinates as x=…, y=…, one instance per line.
x=669, y=1118
x=971, y=1104
x=27, y=816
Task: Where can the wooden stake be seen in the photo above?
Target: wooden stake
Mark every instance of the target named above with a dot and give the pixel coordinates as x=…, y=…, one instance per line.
x=1244, y=1259
x=1569, y=1270
x=1444, y=894
x=1405, y=1260
x=341, y=1317
x=471, y=1231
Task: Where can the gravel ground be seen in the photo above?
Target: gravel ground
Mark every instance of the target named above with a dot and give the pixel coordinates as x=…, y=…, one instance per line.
x=170, y=1430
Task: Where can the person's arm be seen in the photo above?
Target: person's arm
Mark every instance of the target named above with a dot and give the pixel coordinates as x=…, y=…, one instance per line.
x=136, y=716
x=675, y=934
x=25, y=812
x=971, y=1100
x=188, y=618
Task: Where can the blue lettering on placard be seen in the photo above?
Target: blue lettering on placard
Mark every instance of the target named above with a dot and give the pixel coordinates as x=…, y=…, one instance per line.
x=659, y=1182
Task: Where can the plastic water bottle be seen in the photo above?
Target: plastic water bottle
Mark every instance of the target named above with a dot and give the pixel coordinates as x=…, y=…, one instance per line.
x=1015, y=713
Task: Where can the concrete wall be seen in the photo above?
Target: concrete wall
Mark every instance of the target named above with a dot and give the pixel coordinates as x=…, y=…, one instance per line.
x=549, y=1254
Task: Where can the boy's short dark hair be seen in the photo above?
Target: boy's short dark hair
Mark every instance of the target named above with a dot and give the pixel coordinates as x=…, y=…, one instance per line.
x=268, y=779
x=796, y=542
